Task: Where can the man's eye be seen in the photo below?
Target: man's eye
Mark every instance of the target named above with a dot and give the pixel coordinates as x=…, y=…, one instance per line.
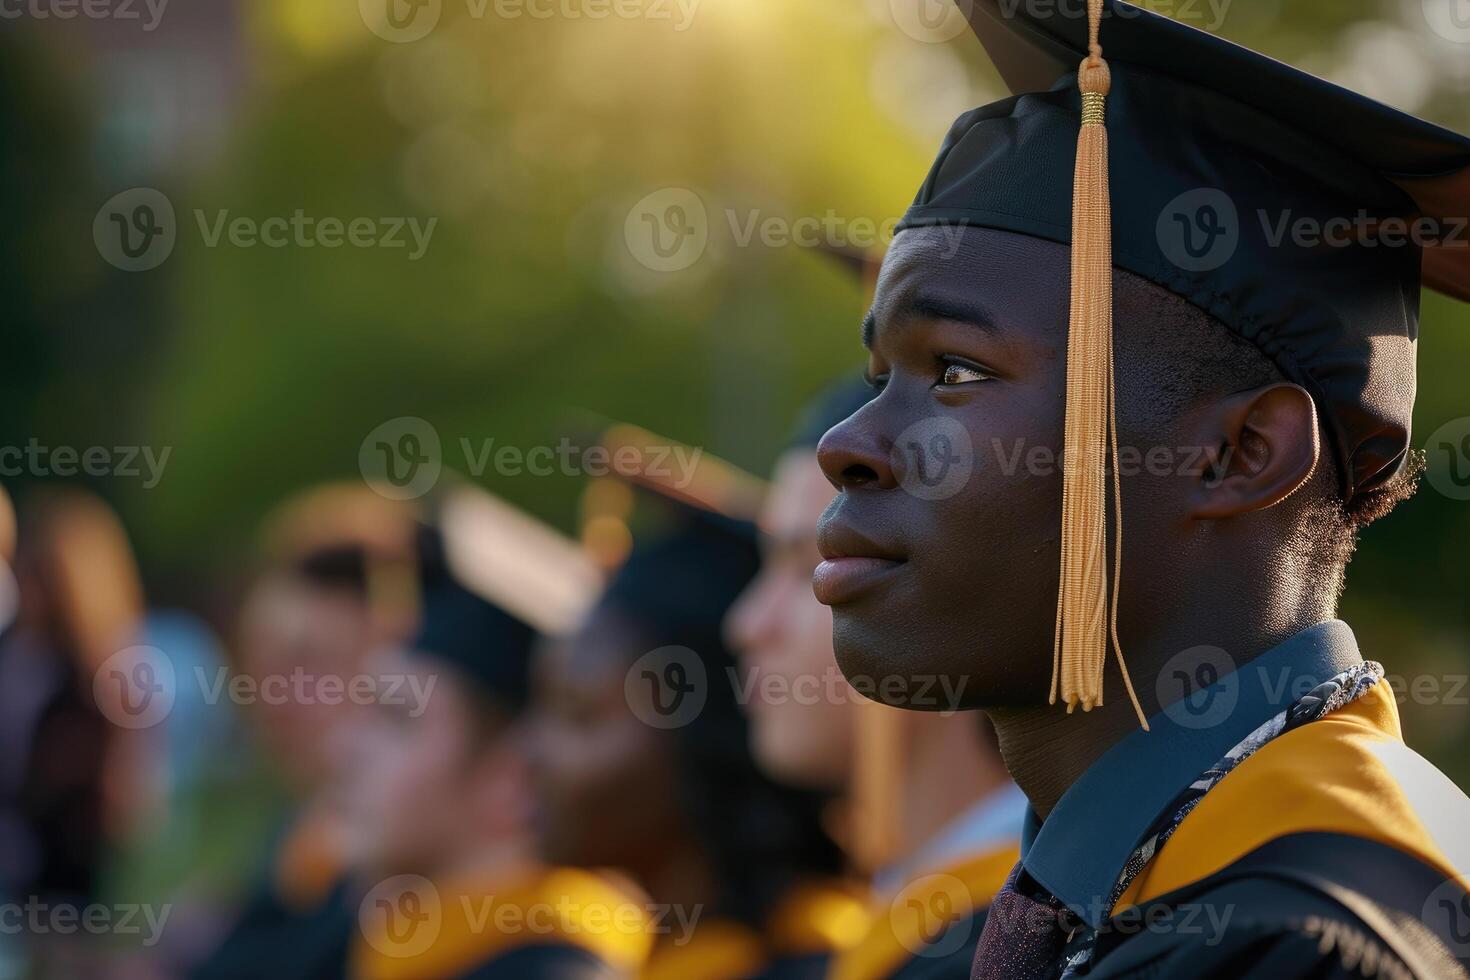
x=957, y=374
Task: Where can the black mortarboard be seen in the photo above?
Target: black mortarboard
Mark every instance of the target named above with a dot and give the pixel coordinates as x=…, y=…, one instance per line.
x=689, y=573
x=1178, y=158
x=492, y=580
x=1191, y=111
x=479, y=638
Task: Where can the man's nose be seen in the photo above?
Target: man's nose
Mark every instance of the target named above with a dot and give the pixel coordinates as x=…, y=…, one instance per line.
x=854, y=455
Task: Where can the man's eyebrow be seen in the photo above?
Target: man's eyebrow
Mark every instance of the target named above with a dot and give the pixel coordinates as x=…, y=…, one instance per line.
x=947, y=306
x=928, y=305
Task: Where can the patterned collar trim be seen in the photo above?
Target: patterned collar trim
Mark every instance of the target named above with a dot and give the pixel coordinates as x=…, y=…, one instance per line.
x=1082, y=848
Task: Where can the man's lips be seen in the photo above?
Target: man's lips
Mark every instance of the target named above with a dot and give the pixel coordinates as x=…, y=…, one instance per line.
x=853, y=564
x=839, y=580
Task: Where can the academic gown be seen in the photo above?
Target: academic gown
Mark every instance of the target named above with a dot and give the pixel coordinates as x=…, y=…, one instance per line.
x=1328, y=850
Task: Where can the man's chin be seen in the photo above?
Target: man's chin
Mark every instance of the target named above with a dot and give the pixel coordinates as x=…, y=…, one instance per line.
x=892, y=670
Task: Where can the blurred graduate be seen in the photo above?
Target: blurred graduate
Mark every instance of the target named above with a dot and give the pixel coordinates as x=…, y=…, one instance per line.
x=449, y=885
x=644, y=762
x=336, y=585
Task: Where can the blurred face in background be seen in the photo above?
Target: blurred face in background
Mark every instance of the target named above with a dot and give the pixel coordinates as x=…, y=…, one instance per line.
x=435, y=782
x=781, y=632
x=290, y=629
x=605, y=780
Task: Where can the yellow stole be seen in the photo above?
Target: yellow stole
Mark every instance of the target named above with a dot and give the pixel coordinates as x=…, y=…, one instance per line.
x=1347, y=773
x=903, y=924
x=812, y=917
x=479, y=919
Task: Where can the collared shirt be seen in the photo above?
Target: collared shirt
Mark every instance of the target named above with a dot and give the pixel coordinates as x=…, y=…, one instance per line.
x=1078, y=852
x=991, y=822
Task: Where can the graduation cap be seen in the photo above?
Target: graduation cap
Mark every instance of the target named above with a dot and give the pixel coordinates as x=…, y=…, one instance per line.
x=690, y=567
x=1157, y=160
x=493, y=579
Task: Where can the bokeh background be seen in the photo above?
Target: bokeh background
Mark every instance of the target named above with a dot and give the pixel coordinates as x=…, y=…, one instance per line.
x=532, y=139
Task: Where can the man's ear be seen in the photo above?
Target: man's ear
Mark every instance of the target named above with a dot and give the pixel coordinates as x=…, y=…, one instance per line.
x=1265, y=445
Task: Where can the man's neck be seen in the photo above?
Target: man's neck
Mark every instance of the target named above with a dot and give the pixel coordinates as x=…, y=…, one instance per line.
x=1046, y=749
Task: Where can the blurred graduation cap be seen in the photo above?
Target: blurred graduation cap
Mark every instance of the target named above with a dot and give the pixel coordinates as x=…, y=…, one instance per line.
x=863, y=264
x=493, y=579
x=666, y=471
x=1160, y=159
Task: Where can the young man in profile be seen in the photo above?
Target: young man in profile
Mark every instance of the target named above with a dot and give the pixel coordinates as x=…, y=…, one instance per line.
x=936, y=777
x=1239, y=800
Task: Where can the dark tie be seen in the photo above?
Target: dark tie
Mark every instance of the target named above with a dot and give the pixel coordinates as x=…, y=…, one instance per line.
x=1025, y=933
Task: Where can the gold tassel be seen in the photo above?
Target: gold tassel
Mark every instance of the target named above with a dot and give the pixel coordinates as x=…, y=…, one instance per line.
x=1085, y=620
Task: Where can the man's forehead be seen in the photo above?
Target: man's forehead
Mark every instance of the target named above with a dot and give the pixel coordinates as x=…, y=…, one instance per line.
x=974, y=273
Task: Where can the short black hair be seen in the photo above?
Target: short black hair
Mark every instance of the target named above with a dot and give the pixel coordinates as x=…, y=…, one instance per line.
x=1180, y=355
